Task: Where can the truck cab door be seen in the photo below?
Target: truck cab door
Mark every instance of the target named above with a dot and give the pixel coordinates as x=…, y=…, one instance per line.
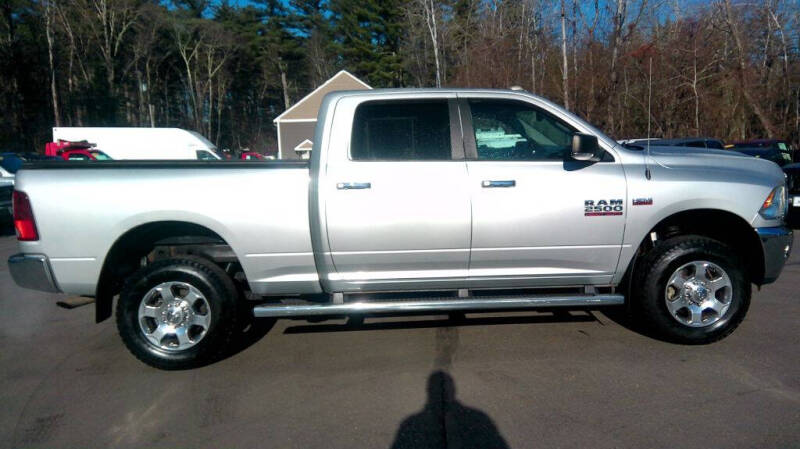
x=538, y=217
x=394, y=190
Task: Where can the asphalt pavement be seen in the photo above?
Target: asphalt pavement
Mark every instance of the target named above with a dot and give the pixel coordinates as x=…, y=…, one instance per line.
x=518, y=380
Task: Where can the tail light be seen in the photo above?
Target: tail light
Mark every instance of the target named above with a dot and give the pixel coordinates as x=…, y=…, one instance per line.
x=23, y=217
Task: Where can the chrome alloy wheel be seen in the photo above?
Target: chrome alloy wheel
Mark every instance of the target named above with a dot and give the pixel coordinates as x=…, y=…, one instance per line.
x=698, y=293
x=174, y=316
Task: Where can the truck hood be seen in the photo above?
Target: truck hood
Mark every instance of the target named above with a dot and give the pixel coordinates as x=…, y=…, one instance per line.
x=741, y=167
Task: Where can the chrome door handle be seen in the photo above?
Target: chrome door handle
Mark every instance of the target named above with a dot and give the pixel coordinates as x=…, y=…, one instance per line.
x=489, y=184
x=353, y=185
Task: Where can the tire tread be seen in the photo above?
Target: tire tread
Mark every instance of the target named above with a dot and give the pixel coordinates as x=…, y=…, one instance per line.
x=224, y=330
x=646, y=279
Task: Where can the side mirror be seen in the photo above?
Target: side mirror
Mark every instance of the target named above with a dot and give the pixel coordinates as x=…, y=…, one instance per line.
x=586, y=148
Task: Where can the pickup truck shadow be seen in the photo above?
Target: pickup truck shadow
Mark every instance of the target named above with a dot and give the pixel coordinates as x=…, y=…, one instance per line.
x=250, y=332
x=254, y=329
x=445, y=422
x=623, y=317
x=356, y=323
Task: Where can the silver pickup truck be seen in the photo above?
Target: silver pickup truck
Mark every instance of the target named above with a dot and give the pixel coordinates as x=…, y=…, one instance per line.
x=414, y=201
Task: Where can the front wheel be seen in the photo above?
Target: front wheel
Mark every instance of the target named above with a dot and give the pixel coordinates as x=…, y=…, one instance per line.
x=178, y=313
x=691, y=290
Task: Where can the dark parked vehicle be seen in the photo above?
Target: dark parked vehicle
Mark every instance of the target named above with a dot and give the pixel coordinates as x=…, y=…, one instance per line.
x=6, y=191
x=694, y=142
x=11, y=162
x=793, y=184
x=775, y=150
x=771, y=154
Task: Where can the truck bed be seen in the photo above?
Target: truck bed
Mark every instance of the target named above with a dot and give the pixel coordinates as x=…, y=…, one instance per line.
x=82, y=208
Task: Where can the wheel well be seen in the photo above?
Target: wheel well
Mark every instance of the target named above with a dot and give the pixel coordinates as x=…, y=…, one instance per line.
x=717, y=224
x=148, y=242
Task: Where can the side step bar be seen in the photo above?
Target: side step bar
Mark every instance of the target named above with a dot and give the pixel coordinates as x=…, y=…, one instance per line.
x=436, y=305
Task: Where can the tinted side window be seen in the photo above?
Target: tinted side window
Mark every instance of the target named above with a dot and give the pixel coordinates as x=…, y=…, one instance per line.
x=507, y=130
x=401, y=130
x=205, y=156
x=695, y=144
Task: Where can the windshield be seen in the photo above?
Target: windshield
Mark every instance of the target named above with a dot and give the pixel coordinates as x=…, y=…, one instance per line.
x=100, y=156
x=206, y=156
x=205, y=141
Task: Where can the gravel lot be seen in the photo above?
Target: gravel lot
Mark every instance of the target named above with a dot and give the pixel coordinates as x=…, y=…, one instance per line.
x=519, y=380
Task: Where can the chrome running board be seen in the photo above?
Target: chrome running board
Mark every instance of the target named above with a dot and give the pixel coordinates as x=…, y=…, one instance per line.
x=437, y=305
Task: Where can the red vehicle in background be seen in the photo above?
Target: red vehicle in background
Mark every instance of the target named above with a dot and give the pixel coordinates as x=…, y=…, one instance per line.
x=74, y=151
x=252, y=156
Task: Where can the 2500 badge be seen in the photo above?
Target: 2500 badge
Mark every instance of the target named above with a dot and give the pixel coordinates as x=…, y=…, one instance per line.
x=600, y=208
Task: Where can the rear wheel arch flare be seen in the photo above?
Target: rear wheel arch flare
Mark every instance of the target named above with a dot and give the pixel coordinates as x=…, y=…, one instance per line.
x=125, y=253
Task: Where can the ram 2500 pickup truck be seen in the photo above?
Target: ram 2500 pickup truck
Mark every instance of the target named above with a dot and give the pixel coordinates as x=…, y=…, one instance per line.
x=414, y=201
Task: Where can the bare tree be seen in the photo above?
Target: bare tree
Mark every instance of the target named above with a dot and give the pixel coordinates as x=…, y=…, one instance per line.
x=429, y=13
x=564, y=65
x=700, y=66
x=110, y=21
x=48, y=17
x=622, y=29
x=204, y=49
x=732, y=27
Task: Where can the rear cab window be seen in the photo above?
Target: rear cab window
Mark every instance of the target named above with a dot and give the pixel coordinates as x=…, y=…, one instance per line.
x=402, y=130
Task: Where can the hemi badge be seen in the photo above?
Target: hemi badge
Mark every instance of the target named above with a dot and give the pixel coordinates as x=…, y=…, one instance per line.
x=643, y=202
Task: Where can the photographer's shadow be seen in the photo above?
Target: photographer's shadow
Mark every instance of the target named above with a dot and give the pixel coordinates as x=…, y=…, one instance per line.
x=446, y=423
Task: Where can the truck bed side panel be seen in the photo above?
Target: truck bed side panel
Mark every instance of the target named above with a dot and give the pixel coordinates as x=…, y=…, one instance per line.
x=262, y=213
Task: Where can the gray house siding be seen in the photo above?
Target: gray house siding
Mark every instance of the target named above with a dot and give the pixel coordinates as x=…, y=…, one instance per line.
x=292, y=134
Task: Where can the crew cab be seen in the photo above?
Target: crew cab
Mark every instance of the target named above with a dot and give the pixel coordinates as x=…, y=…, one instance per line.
x=414, y=201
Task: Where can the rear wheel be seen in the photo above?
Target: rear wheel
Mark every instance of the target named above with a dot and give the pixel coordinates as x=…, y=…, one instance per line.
x=691, y=289
x=178, y=313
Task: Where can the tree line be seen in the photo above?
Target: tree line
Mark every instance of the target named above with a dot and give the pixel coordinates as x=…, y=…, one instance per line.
x=722, y=68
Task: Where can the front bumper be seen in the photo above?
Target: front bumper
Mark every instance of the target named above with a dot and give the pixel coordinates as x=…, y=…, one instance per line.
x=777, y=245
x=32, y=271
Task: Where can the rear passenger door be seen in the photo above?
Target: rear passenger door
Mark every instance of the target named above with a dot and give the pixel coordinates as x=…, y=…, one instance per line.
x=536, y=213
x=397, y=206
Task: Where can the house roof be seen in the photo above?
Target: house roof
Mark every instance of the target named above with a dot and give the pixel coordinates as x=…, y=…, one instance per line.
x=305, y=145
x=307, y=108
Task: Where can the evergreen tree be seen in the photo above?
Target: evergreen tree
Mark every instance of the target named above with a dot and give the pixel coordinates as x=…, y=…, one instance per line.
x=310, y=22
x=367, y=39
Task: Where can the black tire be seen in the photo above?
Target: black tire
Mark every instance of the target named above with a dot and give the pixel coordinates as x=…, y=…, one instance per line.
x=223, y=303
x=650, y=279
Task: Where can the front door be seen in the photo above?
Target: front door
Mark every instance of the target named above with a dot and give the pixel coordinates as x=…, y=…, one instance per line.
x=537, y=214
x=398, y=207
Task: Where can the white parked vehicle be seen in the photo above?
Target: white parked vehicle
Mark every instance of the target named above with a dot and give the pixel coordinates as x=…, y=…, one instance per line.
x=142, y=143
